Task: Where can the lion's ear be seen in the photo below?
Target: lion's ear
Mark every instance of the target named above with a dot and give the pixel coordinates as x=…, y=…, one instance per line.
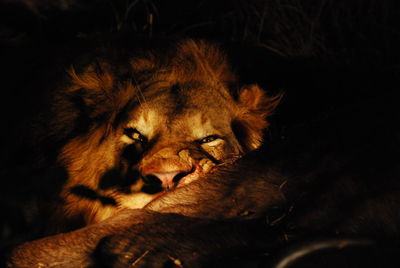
x=90, y=89
x=251, y=118
x=95, y=79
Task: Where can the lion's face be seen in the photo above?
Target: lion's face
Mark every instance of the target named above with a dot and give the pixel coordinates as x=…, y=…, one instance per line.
x=167, y=125
x=179, y=140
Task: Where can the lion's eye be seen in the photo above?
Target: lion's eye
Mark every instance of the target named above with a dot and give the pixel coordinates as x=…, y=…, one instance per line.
x=135, y=135
x=208, y=139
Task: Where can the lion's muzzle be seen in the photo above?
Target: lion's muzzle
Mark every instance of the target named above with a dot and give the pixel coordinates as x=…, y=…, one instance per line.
x=169, y=168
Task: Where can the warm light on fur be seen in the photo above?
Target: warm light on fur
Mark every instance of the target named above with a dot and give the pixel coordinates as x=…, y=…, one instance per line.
x=251, y=116
x=173, y=102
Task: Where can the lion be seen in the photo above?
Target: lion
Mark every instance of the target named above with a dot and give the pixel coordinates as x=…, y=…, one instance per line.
x=168, y=123
x=131, y=133
x=153, y=160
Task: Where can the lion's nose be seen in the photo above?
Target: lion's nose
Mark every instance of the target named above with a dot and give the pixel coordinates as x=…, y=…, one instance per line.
x=169, y=180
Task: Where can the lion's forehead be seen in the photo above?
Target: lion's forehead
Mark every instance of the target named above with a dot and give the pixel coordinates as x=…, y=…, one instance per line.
x=195, y=109
x=206, y=123
x=193, y=122
x=182, y=92
x=146, y=120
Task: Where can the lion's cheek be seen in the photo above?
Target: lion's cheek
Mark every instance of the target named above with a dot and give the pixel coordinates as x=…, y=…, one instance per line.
x=205, y=165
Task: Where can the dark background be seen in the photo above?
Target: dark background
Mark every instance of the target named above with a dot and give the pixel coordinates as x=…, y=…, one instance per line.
x=322, y=53
x=331, y=58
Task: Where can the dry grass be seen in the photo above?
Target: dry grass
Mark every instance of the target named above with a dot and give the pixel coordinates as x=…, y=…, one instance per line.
x=353, y=30
x=345, y=31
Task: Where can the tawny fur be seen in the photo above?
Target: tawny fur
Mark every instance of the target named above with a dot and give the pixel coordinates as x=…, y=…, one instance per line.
x=107, y=103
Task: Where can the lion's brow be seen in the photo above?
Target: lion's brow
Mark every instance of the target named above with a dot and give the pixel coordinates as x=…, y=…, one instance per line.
x=179, y=98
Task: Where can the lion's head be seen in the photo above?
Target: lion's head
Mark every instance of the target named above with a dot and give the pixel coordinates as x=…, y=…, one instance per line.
x=155, y=122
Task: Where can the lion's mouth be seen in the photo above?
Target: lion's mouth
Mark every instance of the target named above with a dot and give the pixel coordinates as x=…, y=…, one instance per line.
x=163, y=182
x=151, y=188
x=192, y=175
